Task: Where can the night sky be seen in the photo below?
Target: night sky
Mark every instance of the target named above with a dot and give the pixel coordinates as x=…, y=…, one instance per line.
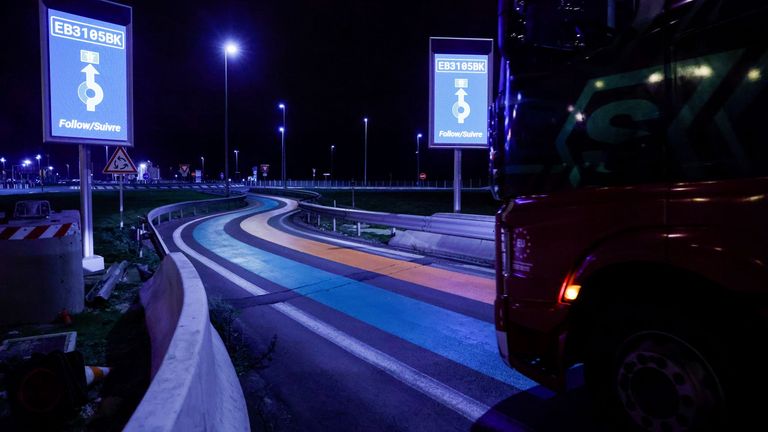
x=331, y=62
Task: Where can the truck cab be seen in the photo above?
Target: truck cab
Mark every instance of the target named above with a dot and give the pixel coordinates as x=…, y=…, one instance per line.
x=630, y=152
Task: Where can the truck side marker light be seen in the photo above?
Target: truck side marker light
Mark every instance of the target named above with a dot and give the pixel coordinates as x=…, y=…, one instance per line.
x=571, y=292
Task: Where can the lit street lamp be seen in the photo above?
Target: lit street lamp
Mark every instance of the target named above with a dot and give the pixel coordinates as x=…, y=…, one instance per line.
x=282, y=145
x=25, y=164
x=237, y=164
x=333, y=147
x=2, y=159
x=282, y=140
x=418, y=169
x=39, y=172
x=202, y=160
x=365, y=154
x=229, y=49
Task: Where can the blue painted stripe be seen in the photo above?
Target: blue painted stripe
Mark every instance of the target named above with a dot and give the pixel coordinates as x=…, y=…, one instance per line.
x=460, y=338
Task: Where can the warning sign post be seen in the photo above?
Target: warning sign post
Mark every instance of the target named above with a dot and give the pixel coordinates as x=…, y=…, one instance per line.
x=120, y=164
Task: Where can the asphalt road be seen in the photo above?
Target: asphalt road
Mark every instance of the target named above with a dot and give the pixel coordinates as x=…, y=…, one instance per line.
x=368, y=339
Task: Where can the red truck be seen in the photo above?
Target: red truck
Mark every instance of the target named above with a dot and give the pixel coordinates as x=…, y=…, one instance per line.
x=630, y=152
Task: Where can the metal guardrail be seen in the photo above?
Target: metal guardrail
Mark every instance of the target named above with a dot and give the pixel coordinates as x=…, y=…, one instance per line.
x=155, y=216
x=474, y=227
x=302, y=195
x=372, y=184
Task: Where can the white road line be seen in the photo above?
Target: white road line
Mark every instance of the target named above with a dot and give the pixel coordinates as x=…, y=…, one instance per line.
x=468, y=407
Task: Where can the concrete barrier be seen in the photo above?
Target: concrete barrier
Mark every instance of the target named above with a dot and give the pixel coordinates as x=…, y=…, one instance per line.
x=41, y=269
x=475, y=250
x=194, y=385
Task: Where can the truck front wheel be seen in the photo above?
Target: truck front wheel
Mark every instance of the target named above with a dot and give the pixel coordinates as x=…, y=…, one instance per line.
x=650, y=370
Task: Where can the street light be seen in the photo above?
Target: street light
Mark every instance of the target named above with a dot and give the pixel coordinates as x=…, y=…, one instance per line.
x=39, y=172
x=202, y=159
x=365, y=155
x=282, y=145
x=282, y=140
x=418, y=169
x=230, y=48
x=333, y=147
x=2, y=159
x=67, y=171
x=25, y=164
x=237, y=164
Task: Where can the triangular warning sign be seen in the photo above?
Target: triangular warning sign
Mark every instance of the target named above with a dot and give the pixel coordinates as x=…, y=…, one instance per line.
x=120, y=163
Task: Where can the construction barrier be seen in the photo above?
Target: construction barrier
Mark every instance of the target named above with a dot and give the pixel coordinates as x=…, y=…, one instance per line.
x=41, y=270
x=194, y=386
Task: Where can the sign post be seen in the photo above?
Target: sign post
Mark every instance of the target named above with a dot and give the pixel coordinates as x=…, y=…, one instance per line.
x=120, y=164
x=86, y=59
x=460, y=88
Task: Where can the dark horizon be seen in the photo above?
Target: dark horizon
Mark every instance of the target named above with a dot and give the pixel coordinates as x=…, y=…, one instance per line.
x=331, y=62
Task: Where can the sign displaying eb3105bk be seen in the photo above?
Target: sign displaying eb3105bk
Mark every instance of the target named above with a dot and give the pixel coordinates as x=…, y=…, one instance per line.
x=460, y=83
x=86, y=59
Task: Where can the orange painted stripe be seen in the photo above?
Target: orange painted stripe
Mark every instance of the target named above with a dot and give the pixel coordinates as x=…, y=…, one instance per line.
x=464, y=285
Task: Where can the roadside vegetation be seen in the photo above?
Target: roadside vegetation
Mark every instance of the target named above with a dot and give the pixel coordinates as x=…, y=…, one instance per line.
x=110, y=333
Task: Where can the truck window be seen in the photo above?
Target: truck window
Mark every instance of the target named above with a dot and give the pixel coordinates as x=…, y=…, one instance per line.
x=720, y=95
x=590, y=115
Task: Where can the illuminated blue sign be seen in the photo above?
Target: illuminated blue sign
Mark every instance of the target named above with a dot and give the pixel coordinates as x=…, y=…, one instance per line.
x=460, y=86
x=87, y=79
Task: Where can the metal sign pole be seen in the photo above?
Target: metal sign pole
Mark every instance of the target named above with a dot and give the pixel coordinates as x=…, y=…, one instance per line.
x=122, y=177
x=85, y=200
x=457, y=181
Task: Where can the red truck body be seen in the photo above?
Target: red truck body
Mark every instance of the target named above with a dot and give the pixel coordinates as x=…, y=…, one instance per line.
x=630, y=151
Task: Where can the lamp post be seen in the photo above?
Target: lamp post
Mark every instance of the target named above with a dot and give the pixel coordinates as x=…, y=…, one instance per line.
x=365, y=154
x=25, y=164
x=418, y=168
x=282, y=145
x=202, y=160
x=333, y=147
x=39, y=172
x=2, y=159
x=67, y=171
x=229, y=49
x=237, y=164
x=282, y=140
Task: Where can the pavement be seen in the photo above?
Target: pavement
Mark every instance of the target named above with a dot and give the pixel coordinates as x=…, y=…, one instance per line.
x=368, y=338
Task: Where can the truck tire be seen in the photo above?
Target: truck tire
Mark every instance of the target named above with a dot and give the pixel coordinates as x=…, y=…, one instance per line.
x=654, y=369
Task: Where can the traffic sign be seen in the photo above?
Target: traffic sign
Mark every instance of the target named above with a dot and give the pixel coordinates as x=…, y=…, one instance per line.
x=145, y=176
x=422, y=176
x=461, y=72
x=86, y=69
x=120, y=163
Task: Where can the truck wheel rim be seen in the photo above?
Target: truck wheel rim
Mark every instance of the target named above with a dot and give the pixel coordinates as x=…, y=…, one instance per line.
x=666, y=385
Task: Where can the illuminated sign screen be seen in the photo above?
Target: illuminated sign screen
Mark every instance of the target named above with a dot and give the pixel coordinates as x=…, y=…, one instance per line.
x=87, y=76
x=461, y=72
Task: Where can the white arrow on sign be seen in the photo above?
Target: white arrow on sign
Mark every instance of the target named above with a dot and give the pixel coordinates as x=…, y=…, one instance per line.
x=90, y=84
x=461, y=107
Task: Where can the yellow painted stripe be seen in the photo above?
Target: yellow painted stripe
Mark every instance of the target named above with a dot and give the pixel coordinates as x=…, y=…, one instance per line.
x=464, y=285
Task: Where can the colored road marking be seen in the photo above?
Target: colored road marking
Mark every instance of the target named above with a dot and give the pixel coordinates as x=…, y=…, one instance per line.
x=464, y=285
x=462, y=404
x=462, y=339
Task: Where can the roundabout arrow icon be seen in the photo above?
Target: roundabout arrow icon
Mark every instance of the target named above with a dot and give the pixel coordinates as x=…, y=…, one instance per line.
x=97, y=93
x=461, y=107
